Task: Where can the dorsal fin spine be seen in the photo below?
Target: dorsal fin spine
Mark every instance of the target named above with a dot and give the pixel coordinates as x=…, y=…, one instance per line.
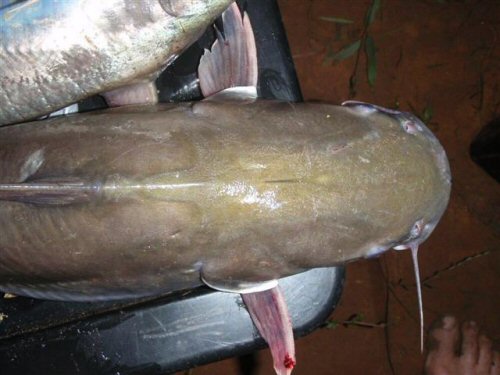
x=63, y=191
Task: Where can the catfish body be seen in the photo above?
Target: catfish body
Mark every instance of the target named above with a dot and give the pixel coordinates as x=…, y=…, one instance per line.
x=54, y=53
x=233, y=193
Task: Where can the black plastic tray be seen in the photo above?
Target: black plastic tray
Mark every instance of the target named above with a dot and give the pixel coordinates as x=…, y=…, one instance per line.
x=169, y=334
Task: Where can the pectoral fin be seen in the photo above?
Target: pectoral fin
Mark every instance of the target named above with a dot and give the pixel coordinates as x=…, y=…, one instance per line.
x=232, y=60
x=267, y=308
x=270, y=315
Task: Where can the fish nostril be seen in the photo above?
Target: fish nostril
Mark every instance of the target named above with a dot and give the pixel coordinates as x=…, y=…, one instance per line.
x=410, y=127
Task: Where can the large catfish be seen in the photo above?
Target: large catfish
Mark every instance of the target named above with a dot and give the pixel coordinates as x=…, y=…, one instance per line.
x=54, y=53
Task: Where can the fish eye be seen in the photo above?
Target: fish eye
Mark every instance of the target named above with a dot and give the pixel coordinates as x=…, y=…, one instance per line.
x=416, y=232
x=417, y=228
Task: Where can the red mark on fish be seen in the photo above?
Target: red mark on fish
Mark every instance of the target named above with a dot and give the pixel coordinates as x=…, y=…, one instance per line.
x=289, y=362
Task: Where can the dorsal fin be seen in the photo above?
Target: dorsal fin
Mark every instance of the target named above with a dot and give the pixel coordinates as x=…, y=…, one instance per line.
x=232, y=60
x=52, y=191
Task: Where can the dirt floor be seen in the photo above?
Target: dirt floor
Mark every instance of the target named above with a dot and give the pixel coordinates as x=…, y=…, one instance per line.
x=441, y=60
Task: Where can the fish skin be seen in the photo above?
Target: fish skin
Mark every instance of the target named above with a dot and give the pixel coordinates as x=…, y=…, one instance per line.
x=246, y=192
x=53, y=54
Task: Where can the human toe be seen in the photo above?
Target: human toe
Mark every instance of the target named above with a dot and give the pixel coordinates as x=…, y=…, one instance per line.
x=470, y=346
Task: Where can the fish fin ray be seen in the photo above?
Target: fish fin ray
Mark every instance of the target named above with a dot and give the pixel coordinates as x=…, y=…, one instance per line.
x=270, y=316
x=232, y=60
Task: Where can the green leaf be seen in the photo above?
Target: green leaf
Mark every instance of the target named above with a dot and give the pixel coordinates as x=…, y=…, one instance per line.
x=372, y=12
x=332, y=324
x=371, y=60
x=358, y=318
x=343, y=54
x=427, y=115
x=343, y=21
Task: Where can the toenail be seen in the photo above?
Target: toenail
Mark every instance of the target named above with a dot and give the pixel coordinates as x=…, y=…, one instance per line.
x=484, y=339
x=449, y=322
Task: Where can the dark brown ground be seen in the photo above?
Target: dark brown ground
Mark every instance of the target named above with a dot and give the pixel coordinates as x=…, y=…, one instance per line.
x=434, y=56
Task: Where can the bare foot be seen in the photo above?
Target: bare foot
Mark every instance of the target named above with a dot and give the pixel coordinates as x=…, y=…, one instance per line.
x=473, y=356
